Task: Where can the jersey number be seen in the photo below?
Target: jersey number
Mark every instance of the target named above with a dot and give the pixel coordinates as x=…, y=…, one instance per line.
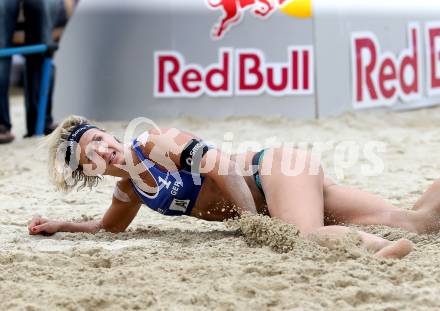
x=166, y=183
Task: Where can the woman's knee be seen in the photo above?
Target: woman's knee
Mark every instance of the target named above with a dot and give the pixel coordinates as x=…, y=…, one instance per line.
x=326, y=234
x=312, y=232
x=328, y=182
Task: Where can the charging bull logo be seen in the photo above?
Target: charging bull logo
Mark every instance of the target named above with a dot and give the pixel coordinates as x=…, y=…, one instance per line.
x=233, y=11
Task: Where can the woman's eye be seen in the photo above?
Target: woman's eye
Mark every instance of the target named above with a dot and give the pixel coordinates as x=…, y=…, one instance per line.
x=99, y=138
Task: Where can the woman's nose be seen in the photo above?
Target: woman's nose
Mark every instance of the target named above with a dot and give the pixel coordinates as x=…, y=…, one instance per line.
x=103, y=152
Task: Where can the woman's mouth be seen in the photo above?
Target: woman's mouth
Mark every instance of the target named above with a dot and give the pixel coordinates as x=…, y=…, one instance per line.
x=112, y=157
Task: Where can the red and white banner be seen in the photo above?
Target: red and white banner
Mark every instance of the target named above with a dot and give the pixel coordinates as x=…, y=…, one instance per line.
x=381, y=78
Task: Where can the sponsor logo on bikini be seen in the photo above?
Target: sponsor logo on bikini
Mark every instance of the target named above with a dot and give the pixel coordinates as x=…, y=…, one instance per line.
x=179, y=205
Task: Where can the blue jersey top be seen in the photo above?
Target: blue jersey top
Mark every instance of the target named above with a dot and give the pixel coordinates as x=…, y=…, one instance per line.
x=176, y=192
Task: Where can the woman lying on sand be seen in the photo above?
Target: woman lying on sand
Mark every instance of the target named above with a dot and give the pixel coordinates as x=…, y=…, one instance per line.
x=176, y=173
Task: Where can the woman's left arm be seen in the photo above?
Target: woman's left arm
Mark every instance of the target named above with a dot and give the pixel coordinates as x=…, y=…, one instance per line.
x=124, y=207
x=229, y=178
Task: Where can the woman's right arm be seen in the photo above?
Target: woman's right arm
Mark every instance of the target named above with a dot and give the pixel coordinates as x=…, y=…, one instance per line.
x=124, y=207
x=40, y=225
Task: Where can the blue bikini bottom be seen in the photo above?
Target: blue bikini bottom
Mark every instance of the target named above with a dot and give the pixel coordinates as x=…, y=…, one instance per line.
x=256, y=161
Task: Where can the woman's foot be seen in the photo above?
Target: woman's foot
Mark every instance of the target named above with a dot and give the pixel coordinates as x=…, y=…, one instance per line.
x=397, y=249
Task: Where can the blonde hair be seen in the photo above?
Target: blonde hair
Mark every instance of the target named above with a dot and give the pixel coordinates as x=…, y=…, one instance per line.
x=64, y=177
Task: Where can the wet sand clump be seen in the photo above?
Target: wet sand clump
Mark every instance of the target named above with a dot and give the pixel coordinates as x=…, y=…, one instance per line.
x=259, y=230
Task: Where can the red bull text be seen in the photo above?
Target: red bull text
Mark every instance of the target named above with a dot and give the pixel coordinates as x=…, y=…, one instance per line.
x=238, y=72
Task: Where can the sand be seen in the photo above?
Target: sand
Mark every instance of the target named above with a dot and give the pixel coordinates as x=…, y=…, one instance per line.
x=182, y=263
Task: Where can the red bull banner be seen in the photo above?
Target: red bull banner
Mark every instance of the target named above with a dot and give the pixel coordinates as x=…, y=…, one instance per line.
x=220, y=58
x=392, y=59
x=239, y=71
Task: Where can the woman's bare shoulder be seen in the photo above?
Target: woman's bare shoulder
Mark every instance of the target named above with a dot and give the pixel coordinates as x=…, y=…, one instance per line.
x=164, y=146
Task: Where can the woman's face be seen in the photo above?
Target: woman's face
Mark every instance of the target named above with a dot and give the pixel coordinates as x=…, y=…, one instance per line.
x=100, y=151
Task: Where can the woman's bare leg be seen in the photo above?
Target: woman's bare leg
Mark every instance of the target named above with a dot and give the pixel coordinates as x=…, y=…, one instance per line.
x=377, y=245
x=430, y=199
x=347, y=205
x=299, y=200
x=294, y=199
x=429, y=205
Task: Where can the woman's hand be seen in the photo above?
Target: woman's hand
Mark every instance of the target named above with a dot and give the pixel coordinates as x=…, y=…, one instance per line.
x=40, y=225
